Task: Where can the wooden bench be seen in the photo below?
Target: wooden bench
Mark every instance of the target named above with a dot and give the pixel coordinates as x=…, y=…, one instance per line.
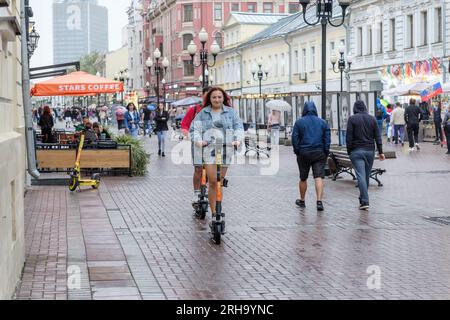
x=341, y=163
x=56, y=157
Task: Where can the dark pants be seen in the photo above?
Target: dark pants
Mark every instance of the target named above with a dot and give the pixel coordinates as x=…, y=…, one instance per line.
x=398, y=129
x=47, y=135
x=438, y=128
x=447, y=136
x=362, y=161
x=413, y=134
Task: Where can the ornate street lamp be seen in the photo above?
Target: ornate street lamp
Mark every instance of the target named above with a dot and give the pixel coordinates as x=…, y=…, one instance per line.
x=33, y=41
x=324, y=16
x=260, y=74
x=192, y=49
x=343, y=68
x=158, y=70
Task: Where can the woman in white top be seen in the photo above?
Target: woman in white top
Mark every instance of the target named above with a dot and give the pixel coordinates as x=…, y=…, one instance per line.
x=273, y=126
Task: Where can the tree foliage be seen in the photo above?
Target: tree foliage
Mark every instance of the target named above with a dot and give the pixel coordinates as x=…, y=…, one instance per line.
x=92, y=63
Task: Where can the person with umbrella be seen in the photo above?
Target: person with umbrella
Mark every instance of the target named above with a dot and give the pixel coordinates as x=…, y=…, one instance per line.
x=273, y=126
x=147, y=117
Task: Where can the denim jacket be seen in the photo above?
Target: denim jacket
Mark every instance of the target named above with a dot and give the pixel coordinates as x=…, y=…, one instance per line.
x=232, y=125
x=131, y=117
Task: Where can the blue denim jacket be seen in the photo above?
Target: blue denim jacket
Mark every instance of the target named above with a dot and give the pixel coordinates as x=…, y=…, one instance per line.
x=131, y=117
x=232, y=125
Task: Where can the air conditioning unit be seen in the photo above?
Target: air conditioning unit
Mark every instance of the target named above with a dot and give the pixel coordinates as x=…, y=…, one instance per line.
x=302, y=76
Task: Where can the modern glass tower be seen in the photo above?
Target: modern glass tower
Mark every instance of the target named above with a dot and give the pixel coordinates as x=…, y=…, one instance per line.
x=80, y=27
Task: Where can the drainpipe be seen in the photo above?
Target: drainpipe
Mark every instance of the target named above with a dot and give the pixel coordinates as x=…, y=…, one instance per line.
x=444, y=41
x=347, y=40
x=29, y=132
x=290, y=71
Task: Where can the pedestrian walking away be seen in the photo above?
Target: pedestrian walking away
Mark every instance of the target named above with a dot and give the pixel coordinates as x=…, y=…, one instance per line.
x=185, y=126
x=446, y=125
x=380, y=115
x=46, y=123
x=161, y=129
x=413, y=116
x=398, y=123
x=273, y=126
x=362, y=135
x=437, y=119
x=311, y=139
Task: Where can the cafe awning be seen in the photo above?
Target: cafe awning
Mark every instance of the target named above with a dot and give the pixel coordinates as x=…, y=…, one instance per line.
x=76, y=84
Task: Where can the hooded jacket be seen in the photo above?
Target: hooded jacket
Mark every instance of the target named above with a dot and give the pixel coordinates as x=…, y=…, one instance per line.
x=311, y=133
x=362, y=130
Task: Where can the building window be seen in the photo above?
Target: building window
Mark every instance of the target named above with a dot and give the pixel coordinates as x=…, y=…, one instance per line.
x=332, y=47
x=188, y=68
x=313, y=58
x=438, y=24
x=131, y=63
x=141, y=59
x=380, y=38
x=392, y=36
x=359, y=41
x=276, y=66
x=187, y=13
x=369, y=40
x=140, y=36
x=295, y=61
x=424, y=28
x=218, y=38
x=304, y=69
x=294, y=7
x=187, y=38
x=282, y=65
x=251, y=7
x=235, y=7
x=409, y=31
x=267, y=7
x=218, y=11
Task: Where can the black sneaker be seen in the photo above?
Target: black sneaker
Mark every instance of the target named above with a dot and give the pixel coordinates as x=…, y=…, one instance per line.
x=320, y=206
x=300, y=203
x=159, y=152
x=364, y=206
x=163, y=154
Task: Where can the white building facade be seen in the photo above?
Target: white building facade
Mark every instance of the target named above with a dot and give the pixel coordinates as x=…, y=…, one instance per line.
x=398, y=42
x=13, y=155
x=135, y=41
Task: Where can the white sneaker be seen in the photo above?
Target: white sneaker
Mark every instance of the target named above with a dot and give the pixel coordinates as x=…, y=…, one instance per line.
x=411, y=149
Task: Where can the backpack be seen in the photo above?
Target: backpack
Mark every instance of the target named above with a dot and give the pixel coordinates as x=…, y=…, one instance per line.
x=379, y=113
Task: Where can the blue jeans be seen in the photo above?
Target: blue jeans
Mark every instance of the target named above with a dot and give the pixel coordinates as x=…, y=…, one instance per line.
x=148, y=127
x=380, y=126
x=362, y=161
x=161, y=140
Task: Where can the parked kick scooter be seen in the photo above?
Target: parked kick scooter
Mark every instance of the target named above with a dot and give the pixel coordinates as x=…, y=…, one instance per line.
x=75, y=175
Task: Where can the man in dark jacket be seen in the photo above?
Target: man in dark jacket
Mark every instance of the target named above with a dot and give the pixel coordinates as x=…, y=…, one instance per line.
x=437, y=119
x=362, y=134
x=413, y=116
x=311, y=139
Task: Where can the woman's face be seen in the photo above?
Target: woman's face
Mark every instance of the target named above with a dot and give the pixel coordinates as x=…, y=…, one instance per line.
x=161, y=107
x=217, y=99
x=131, y=107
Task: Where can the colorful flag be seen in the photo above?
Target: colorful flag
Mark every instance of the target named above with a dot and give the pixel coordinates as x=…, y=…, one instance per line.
x=431, y=92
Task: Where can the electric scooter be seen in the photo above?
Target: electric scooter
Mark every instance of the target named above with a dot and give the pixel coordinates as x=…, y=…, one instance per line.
x=75, y=176
x=201, y=207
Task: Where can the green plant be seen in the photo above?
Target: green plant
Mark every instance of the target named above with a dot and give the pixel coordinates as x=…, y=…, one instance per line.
x=139, y=158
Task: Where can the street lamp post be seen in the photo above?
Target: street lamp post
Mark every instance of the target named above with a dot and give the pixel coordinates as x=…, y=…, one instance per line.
x=343, y=68
x=192, y=49
x=121, y=76
x=33, y=41
x=324, y=16
x=158, y=70
x=163, y=82
x=147, y=88
x=259, y=74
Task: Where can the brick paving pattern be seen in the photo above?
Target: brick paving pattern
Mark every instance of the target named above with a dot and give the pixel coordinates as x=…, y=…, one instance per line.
x=137, y=239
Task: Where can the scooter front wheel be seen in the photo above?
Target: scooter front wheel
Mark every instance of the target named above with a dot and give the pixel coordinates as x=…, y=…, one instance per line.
x=217, y=232
x=73, y=184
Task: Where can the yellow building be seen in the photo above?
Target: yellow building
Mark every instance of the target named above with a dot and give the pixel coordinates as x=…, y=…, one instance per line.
x=290, y=52
x=13, y=154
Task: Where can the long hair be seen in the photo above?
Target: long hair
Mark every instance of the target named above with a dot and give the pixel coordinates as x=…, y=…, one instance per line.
x=46, y=110
x=131, y=104
x=207, y=100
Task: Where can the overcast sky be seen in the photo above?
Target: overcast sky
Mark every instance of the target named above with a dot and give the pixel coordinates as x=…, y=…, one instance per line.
x=43, y=15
